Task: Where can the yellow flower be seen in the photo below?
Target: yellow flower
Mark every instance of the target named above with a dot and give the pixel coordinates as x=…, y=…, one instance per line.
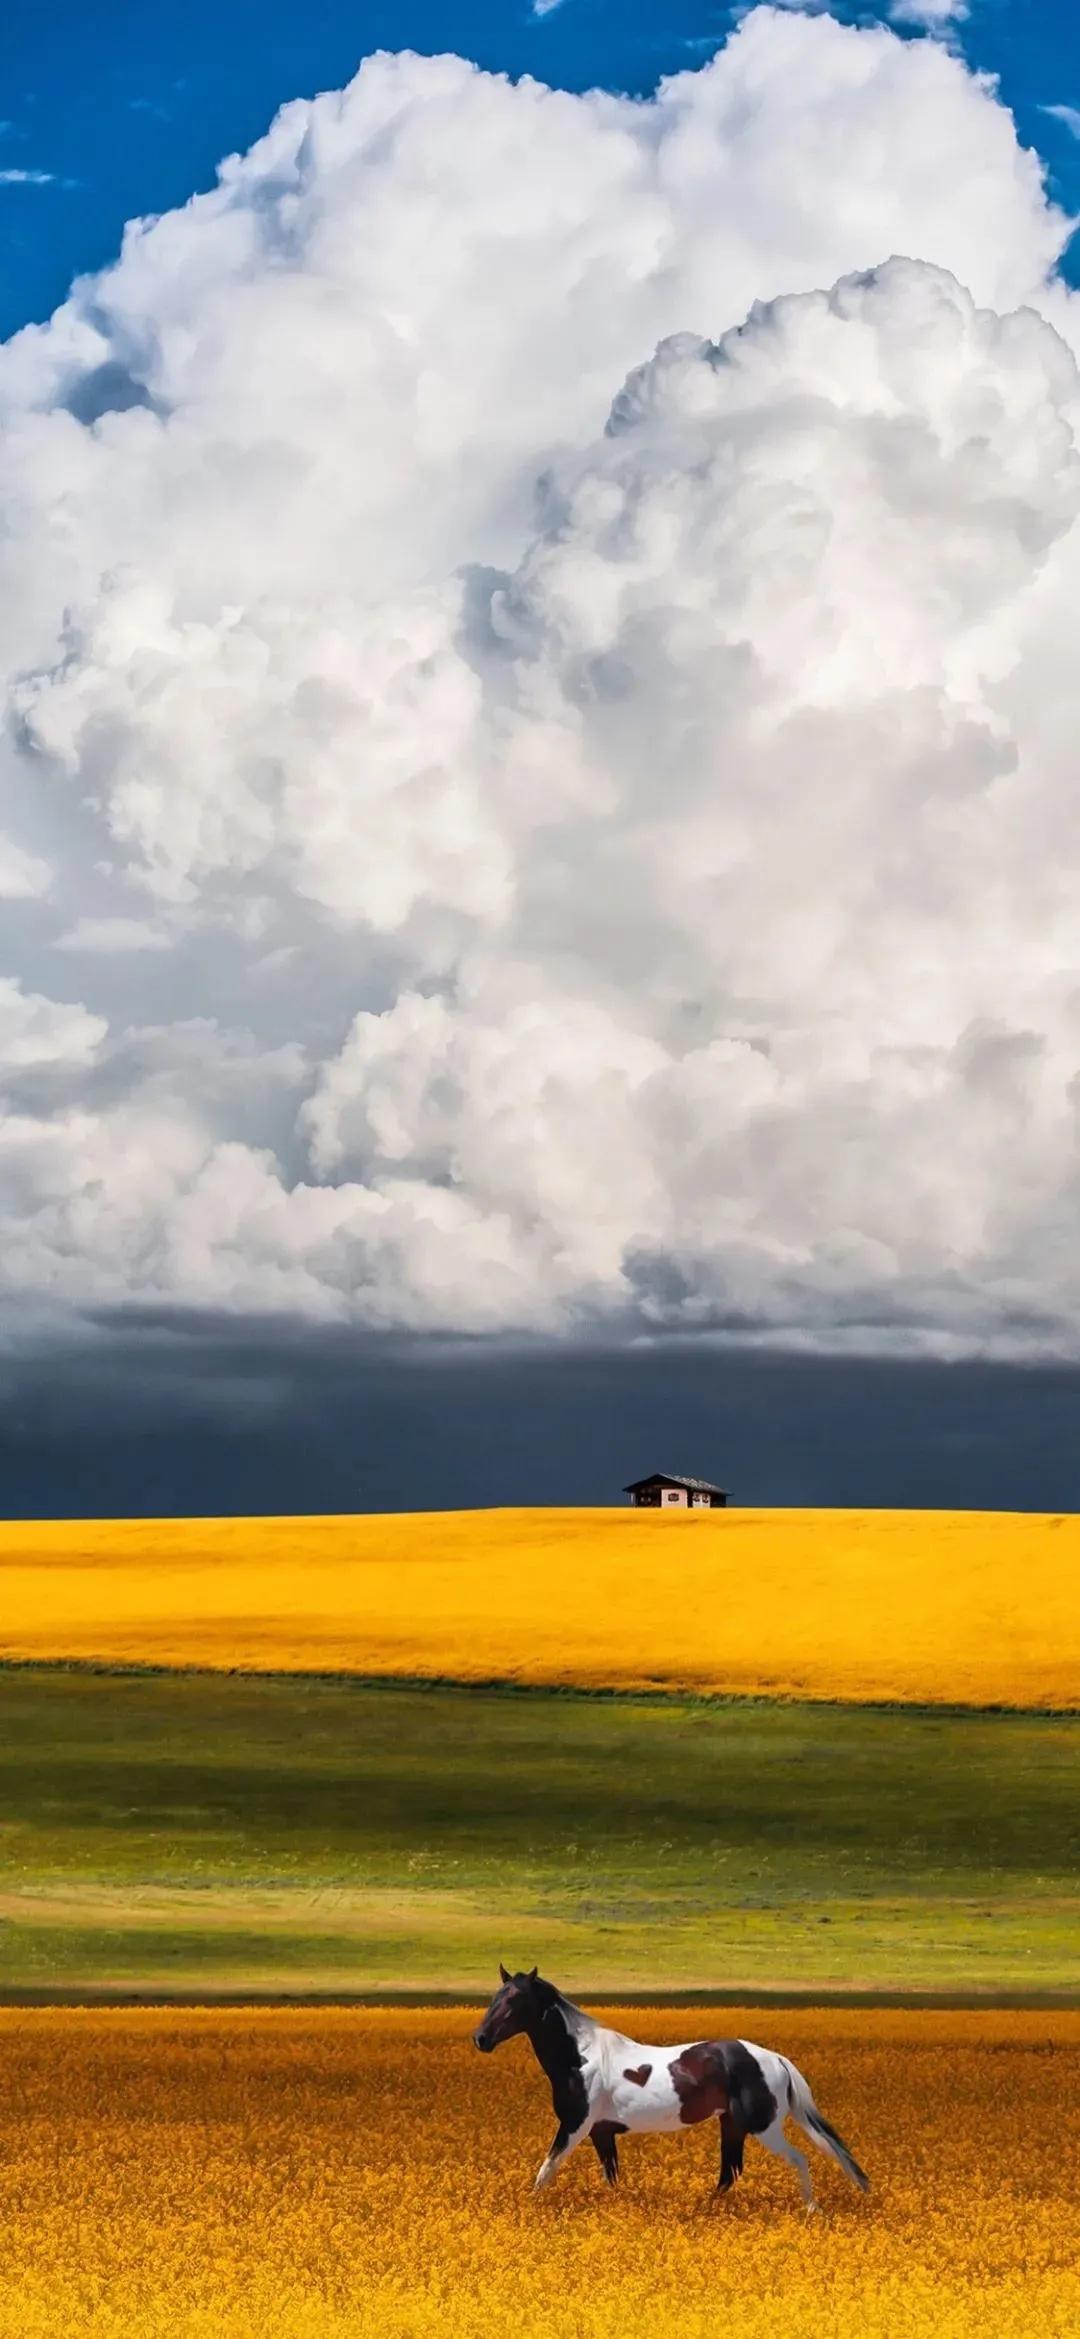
x=295, y=2175
x=961, y=1607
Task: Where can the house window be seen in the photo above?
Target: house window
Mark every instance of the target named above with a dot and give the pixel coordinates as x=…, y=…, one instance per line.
x=671, y=1497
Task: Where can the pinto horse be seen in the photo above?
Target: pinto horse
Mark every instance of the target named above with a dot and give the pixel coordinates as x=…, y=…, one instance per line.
x=604, y=2086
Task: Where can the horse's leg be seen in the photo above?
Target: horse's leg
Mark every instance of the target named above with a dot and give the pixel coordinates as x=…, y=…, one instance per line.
x=564, y=2143
x=602, y=2138
x=732, y=2141
x=775, y=2140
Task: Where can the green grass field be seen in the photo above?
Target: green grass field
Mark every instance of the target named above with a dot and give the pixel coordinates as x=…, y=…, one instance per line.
x=200, y=1831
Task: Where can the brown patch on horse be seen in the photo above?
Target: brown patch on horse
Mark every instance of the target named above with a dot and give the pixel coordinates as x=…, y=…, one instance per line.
x=699, y=2078
x=641, y=2076
x=721, y=2076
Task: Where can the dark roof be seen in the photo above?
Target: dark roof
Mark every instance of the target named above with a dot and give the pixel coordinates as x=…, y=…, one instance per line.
x=669, y=1478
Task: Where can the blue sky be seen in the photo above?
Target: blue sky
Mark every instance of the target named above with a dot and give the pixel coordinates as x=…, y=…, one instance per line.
x=117, y=110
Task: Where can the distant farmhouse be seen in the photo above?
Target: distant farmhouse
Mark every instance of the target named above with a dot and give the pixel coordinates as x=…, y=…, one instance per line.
x=695, y=1494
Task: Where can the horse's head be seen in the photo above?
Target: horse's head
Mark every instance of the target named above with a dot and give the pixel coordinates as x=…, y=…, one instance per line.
x=510, y=2011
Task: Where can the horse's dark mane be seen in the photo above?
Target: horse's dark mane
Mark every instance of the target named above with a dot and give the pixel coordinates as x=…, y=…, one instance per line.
x=544, y=1994
x=557, y=2051
x=547, y=1997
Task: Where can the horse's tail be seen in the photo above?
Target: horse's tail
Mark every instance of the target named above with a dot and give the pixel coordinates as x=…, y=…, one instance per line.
x=805, y=2111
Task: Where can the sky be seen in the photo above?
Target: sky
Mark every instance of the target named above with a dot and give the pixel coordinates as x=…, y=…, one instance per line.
x=128, y=111
x=537, y=834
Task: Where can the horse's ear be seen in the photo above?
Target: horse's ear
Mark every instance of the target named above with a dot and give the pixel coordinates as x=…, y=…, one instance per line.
x=504, y=1976
x=535, y=1974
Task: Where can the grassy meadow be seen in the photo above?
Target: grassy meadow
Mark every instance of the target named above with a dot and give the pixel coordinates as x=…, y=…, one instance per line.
x=202, y=1832
x=966, y=1608
x=742, y=1751
x=290, y=2175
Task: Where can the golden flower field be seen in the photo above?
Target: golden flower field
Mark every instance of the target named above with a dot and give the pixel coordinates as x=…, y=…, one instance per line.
x=301, y=2175
x=970, y=1608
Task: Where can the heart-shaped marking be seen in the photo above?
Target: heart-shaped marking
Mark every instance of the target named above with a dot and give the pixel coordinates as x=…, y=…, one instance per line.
x=641, y=2075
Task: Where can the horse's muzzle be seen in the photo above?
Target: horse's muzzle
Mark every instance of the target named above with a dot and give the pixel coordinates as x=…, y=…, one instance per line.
x=485, y=2044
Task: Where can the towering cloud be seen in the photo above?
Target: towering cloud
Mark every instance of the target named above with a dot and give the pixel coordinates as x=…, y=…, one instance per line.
x=539, y=678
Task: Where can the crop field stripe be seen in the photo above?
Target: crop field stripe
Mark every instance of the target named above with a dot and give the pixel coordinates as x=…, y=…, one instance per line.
x=290, y=2175
x=871, y=1606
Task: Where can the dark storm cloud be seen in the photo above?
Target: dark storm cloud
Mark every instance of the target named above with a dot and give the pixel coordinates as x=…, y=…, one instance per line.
x=198, y=1414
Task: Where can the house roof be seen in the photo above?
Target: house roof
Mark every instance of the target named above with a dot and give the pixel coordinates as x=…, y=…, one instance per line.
x=673, y=1478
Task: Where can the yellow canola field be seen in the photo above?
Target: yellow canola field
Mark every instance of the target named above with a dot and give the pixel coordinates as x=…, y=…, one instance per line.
x=975, y=1608
x=290, y=2175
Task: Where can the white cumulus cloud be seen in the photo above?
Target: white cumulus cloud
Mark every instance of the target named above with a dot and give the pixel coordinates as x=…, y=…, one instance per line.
x=933, y=14
x=22, y=875
x=113, y=934
x=539, y=696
